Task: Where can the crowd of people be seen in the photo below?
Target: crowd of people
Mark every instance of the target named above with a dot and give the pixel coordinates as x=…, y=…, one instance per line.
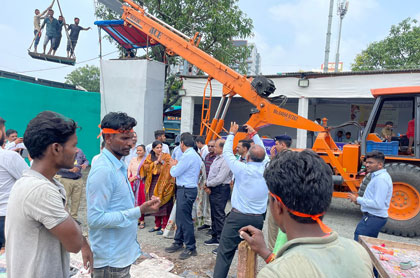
x=53, y=33
x=185, y=191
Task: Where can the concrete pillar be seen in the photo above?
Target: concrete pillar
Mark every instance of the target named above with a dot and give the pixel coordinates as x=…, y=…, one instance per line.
x=301, y=133
x=135, y=87
x=187, y=114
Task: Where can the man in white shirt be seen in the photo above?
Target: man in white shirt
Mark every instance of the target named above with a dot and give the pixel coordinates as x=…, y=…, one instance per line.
x=133, y=150
x=160, y=136
x=12, y=166
x=13, y=142
x=203, y=149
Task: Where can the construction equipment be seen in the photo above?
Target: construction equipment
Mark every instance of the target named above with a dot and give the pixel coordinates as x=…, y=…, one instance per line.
x=404, y=212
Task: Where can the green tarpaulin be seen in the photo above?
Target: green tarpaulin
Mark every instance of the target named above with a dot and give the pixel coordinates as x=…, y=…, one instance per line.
x=21, y=101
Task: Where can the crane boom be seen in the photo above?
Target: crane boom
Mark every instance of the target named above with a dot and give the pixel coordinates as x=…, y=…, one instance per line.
x=233, y=82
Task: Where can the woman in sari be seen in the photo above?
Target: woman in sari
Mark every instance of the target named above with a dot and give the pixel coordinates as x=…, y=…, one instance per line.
x=137, y=183
x=159, y=183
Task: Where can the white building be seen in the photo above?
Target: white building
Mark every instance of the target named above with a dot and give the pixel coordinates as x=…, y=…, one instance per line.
x=329, y=95
x=254, y=59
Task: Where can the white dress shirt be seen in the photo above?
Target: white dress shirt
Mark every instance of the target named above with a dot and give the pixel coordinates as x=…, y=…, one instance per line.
x=12, y=166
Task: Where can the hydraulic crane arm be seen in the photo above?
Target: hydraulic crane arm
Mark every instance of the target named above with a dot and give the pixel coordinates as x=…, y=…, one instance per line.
x=233, y=82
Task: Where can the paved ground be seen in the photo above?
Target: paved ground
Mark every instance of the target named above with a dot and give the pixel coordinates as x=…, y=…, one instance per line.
x=341, y=217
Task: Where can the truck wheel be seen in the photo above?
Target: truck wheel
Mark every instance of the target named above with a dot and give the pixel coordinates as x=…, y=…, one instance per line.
x=404, y=209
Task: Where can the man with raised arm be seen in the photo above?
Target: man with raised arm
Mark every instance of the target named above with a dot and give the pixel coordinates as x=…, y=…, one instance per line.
x=37, y=25
x=249, y=197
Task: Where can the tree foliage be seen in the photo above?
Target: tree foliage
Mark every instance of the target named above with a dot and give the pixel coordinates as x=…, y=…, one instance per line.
x=218, y=23
x=87, y=77
x=399, y=50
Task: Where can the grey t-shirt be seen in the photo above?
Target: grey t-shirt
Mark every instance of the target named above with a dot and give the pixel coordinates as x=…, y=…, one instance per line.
x=36, y=205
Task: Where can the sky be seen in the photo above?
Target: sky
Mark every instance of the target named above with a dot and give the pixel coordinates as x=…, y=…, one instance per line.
x=289, y=34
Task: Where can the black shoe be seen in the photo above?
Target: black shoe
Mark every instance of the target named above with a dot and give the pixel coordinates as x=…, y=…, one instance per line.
x=213, y=241
x=173, y=248
x=214, y=251
x=154, y=230
x=209, y=232
x=187, y=253
x=203, y=227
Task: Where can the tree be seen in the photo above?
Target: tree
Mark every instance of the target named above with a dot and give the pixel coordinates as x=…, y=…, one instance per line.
x=218, y=23
x=399, y=50
x=86, y=77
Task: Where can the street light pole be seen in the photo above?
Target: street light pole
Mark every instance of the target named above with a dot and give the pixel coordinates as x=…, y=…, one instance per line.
x=342, y=8
x=328, y=40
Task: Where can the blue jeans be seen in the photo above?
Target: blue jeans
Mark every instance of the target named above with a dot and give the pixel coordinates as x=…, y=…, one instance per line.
x=37, y=37
x=2, y=237
x=185, y=198
x=370, y=225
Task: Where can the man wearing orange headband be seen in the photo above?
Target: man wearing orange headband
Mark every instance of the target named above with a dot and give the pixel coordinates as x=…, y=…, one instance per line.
x=111, y=212
x=300, y=185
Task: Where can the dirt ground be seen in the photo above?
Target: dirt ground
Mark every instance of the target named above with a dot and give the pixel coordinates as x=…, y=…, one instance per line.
x=341, y=217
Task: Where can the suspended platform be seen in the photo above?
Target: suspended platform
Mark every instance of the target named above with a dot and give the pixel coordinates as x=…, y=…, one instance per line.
x=51, y=58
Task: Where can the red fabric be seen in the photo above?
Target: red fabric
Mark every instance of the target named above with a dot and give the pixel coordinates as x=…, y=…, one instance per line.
x=410, y=129
x=161, y=221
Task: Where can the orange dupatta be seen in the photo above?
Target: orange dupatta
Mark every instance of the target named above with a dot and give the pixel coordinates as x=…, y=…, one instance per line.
x=165, y=186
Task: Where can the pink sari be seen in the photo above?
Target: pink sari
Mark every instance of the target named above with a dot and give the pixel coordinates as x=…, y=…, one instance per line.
x=138, y=185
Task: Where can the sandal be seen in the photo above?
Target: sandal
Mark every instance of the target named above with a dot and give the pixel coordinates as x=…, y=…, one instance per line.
x=141, y=225
x=154, y=230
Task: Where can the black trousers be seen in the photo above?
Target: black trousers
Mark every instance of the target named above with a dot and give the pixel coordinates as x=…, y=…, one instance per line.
x=218, y=200
x=230, y=240
x=185, y=198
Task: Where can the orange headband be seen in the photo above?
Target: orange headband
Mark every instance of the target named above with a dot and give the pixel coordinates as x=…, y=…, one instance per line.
x=316, y=217
x=112, y=131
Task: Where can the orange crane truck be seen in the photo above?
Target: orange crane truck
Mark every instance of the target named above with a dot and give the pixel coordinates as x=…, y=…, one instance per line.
x=402, y=162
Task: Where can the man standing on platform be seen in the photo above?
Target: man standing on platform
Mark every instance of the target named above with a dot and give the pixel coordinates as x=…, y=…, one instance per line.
x=375, y=201
x=74, y=36
x=52, y=26
x=37, y=25
x=218, y=183
x=249, y=197
x=73, y=182
x=186, y=172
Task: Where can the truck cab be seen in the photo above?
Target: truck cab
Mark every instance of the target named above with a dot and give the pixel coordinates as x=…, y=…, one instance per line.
x=394, y=129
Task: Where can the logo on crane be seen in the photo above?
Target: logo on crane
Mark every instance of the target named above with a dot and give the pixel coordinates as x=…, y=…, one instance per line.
x=155, y=32
x=135, y=20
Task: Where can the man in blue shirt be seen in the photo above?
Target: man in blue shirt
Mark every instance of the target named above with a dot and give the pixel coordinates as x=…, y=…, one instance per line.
x=249, y=197
x=111, y=214
x=52, y=26
x=375, y=201
x=186, y=172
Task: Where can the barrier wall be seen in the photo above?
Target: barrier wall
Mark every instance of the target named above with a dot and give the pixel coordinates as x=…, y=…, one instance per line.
x=21, y=101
